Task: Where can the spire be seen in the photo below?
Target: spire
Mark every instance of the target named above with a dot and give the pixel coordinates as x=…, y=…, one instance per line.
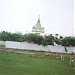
x=39, y=19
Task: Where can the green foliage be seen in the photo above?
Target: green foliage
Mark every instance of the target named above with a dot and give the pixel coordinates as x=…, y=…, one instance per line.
x=48, y=40
x=37, y=38
x=44, y=42
x=17, y=37
x=5, y=36
x=68, y=41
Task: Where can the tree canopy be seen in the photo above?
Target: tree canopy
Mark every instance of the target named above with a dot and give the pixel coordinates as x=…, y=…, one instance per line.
x=37, y=38
x=68, y=41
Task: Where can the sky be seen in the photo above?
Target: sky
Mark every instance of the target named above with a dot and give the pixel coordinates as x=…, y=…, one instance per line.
x=57, y=16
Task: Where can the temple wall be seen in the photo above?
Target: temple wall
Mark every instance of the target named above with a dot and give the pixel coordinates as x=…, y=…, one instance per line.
x=28, y=46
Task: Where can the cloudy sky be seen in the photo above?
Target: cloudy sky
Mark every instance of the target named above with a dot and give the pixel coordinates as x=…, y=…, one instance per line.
x=57, y=16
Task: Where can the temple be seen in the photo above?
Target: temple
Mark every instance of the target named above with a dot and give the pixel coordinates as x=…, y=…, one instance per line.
x=37, y=27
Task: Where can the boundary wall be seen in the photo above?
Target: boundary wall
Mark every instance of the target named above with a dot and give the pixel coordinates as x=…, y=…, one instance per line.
x=29, y=46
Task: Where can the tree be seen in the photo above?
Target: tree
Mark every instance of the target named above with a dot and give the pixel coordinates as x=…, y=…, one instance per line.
x=68, y=41
x=17, y=37
x=36, y=38
x=49, y=39
x=5, y=36
x=44, y=42
x=58, y=40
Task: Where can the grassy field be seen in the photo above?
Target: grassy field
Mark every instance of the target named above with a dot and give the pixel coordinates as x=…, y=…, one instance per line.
x=14, y=63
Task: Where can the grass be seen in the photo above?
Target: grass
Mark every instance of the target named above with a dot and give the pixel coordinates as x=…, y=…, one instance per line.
x=12, y=63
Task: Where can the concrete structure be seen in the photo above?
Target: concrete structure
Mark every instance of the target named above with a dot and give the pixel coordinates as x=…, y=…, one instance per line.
x=29, y=46
x=3, y=43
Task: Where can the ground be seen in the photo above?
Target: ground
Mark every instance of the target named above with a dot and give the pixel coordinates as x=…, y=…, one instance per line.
x=21, y=62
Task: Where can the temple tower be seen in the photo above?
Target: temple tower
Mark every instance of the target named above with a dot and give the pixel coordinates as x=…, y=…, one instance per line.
x=37, y=27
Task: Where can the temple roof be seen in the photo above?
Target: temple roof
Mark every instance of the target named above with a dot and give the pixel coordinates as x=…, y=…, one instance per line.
x=37, y=27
